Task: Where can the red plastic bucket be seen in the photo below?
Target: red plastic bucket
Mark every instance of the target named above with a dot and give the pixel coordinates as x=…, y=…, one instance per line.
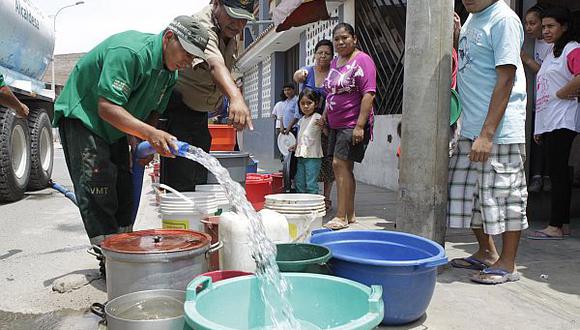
x=220, y=275
x=257, y=187
x=277, y=183
x=210, y=225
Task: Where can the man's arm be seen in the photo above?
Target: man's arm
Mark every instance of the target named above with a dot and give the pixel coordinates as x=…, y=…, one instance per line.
x=239, y=111
x=122, y=120
x=8, y=99
x=506, y=75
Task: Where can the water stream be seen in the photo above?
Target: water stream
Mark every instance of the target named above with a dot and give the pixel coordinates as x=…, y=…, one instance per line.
x=274, y=287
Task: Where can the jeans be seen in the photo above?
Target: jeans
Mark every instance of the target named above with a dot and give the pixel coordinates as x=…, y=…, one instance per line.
x=307, y=175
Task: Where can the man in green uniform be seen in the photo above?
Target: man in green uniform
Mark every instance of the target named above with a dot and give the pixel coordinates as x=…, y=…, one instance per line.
x=8, y=99
x=123, y=82
x=199, y=90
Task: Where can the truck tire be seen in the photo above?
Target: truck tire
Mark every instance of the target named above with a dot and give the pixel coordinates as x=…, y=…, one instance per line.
x=14, y=156
x=41, y=149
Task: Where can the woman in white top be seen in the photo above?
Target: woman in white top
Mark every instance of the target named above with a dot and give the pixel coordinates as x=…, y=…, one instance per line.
x=539, y=162
x=308, y=148
x=558, y=114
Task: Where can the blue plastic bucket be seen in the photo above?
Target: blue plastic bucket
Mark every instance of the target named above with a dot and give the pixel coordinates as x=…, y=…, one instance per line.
x=404, y=264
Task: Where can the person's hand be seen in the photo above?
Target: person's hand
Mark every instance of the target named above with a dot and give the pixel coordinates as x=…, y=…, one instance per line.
x=562, y=96
x=358, y=135
x=163, y=142
x=480, y=149
x=456, y=25
x=239, y=115
x=22, y=111
x=285, y=131
x=301, y=76
x=321, y=122
x=292, y=148
x=538, y=138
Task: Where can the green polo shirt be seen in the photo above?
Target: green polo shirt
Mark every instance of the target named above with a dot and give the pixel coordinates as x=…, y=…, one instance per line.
x=126, y=69
x=2, y=83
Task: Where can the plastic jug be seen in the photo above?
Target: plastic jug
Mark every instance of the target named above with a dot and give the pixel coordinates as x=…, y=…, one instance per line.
x=234, y=231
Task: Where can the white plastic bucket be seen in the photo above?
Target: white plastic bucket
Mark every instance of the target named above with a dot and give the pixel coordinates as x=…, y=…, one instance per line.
x=298, y=210
x=186, y=210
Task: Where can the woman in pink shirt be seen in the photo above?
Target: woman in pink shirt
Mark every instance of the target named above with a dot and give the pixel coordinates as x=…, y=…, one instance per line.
x=558, y=115
x=350, y=87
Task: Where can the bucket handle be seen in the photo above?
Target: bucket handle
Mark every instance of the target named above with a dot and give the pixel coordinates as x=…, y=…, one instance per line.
x=435, y=263
x=180, y=195
x=213, y=248
x=375, y=298
x=196, y=286
x=99, y=310
x=92, y=252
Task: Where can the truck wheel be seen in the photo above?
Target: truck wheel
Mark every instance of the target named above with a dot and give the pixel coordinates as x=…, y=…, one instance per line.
x=14, y=156
x=41, y=149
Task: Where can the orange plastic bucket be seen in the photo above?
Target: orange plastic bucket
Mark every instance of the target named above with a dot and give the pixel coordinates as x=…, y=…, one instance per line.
x=223, y=137
x=257, y=187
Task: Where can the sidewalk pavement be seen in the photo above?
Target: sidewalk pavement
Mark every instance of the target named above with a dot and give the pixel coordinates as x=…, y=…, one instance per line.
x=547, y=296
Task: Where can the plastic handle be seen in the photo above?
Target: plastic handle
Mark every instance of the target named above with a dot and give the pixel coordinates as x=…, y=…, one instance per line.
x=196, y=286
x=435, y=263
x=375, y=298
x=213, y=248
x=145, y=149
x=180, y=195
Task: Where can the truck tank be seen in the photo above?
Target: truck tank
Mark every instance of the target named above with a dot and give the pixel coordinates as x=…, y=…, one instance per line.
x=26, y=38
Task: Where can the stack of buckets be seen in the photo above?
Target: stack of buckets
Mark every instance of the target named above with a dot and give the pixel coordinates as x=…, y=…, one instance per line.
x=186, y=213
x=219, y=195
x=298, y=210
x=257, y=187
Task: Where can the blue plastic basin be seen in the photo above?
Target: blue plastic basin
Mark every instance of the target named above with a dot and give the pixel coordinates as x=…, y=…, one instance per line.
x=404, y=264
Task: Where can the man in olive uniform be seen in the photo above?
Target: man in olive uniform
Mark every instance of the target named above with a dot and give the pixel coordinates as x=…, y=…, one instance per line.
x=8, y=99
x=199, y=91
x=123, y=82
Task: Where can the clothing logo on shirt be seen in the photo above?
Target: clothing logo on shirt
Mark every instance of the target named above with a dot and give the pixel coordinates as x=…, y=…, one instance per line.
x=342, y=82
x=122, y=87
x=543, y=94
x=469, y=37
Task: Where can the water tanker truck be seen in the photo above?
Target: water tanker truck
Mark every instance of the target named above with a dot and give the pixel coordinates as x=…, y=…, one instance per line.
x=26, y=144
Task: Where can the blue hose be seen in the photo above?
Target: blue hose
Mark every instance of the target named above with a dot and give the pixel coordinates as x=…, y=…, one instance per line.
x=67, y=193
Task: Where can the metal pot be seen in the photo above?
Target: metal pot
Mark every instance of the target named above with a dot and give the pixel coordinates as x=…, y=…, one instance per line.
x=155, y=259
x=117, y=316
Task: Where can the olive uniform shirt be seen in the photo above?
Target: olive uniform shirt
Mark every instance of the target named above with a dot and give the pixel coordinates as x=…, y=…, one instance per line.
x=128, y=70
x=196, y=85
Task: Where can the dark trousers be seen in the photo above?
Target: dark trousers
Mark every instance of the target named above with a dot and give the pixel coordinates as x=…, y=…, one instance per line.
x=539, y=160
x=558, y=144
x=189, y=126
x=101, y=177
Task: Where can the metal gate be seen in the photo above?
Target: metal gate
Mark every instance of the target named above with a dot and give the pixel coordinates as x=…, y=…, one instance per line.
x=380, y=26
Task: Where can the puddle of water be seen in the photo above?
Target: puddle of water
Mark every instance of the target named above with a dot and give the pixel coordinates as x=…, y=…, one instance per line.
x=59, y=320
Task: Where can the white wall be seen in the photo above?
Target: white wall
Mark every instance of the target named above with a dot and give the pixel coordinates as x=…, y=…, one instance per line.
x=379, y=166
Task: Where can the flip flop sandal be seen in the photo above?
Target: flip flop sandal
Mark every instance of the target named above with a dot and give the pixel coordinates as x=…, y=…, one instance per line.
x=495, y=276
x=336, y=224
x=468, y=263
x=542, y=236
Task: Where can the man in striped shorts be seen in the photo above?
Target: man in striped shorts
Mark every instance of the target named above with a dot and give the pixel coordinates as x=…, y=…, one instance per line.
x=487, y=185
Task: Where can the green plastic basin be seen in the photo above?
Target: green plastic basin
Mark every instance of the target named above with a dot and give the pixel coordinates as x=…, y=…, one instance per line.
x=319, y=302
x=303, y=258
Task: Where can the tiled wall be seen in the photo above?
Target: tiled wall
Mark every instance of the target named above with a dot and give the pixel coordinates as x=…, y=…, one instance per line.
x=251, y=90
x=266, y=90
x=316, y=32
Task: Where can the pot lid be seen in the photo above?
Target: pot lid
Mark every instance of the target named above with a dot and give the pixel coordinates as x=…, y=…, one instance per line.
x=156, y=241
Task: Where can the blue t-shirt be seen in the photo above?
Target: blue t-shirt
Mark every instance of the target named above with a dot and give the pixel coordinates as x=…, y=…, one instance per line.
x=291, y=111
x=491, y=38
x=310, y=82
